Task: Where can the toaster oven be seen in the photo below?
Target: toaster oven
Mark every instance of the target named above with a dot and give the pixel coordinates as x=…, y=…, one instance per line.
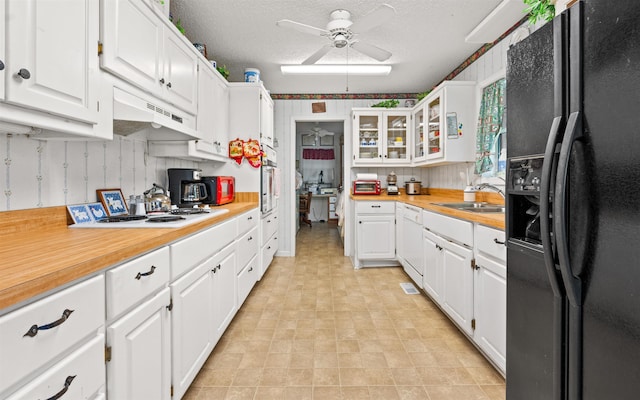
x=366, y=186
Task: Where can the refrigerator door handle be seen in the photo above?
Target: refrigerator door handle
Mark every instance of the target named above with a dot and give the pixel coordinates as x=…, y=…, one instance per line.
x=572, y=283
x=545, y=193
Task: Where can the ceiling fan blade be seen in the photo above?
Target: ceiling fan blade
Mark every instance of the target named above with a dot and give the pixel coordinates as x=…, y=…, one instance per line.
x=286, y=23
x=376, y=17
x=371, y=51
x=325, y=133
x=318, y=54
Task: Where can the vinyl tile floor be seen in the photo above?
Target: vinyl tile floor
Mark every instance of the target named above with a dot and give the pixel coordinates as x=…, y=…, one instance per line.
x=315, y=328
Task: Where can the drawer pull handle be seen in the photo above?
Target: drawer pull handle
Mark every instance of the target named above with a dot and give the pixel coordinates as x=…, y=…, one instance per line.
x=33, y=331
x=250, y=269
x=67, y=383
x=438, y=247
x=217, y=267
x=250, y=218
x=141, y=274
x=375, y=206
x=250, y=238
x=497, y=241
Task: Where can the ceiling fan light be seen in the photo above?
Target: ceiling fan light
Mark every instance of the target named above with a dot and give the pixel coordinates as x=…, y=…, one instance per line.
x=340, y=41
x=326, y=69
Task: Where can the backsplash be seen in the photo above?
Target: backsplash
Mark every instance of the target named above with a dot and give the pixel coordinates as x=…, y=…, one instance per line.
x=39, y=173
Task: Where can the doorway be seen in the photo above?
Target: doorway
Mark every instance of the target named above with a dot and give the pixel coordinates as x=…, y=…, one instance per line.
x=318, y=151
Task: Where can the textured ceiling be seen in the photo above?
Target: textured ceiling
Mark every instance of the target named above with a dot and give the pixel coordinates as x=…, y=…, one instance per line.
x=426, y=38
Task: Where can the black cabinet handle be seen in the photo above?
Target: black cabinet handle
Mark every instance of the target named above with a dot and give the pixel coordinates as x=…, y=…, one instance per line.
x=141, y=274
x=250, y=218
x=217, y=267
x=24, y=73
x=438, y=247
x=162, y=81
x=250, y=238
x=33, y=331
x=67, y=383
x=359, y=222
x=497, y=241
x=378, y=206
x=250, y=269
x=1, y=66
x=169, y=85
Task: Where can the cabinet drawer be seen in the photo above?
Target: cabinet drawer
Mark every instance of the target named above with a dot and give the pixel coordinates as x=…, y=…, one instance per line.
x=491, y=242
x=85, y=299
x=248, y=220
x=247, y=278
x=247, y=248
x=133, y=281
x=85, y=365
x=269, y=227
x=451, y=228
x=268, y=251
x=375, y=207
x=189, y=252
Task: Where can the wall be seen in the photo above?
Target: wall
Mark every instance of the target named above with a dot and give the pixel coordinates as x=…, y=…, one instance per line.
x=38, y=173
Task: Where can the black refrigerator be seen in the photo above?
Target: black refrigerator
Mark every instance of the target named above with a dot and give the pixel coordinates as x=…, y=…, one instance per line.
x=573, y=206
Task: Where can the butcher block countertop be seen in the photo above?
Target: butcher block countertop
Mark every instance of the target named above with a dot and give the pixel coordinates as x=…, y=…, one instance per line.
x=40, y=253
x=428, y=197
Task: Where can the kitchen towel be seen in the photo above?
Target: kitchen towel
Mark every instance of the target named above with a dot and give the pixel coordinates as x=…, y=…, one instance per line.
x=318, y=154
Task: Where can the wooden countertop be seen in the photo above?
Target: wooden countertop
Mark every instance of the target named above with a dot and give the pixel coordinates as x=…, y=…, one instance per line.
x=426, y=201
x=40, y=253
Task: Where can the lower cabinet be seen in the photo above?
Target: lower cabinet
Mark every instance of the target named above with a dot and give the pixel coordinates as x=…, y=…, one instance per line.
x=412, y=242
x=269, y=240
x=375, y=232
x=139, y=352
x=224, y=285
x=433, y=245
x=457, y=288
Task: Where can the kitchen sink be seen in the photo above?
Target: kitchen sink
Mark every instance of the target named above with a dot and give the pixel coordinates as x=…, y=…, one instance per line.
x=477, y=207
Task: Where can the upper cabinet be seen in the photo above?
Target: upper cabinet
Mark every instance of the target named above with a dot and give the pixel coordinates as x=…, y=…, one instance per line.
x=445, y=126
x=381, y=136
x=251, y=112
x=50, y=57
x=144, y=49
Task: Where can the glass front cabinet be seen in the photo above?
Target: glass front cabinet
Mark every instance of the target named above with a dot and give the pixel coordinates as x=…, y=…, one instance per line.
x=381, y=136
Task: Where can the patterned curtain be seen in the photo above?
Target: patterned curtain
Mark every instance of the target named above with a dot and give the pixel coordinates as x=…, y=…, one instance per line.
x=490, y=125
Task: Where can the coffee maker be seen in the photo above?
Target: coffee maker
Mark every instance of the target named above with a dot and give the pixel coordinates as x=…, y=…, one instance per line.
x=186, y=188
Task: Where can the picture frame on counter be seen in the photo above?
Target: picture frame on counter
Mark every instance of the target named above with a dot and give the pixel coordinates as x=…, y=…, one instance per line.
x=113, y=201
x=80, y=213
x=97, y=211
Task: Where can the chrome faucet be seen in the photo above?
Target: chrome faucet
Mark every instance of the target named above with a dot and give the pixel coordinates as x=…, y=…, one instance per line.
x=490, y=186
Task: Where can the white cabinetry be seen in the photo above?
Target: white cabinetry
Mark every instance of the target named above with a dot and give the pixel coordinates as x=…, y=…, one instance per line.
x=248, y=245
x=433, y=245
x=269, y=239
x=375, y=233
x=454, y=243
x=43, y=331
x=139, y=352
x=448, y=125
x=50, y=65
x=381, y=137
x=251, y=111
x=224, y=289
x=146, y=50
x=490, y=293
x=412, y=242
x=3, y=48
x=213, y=112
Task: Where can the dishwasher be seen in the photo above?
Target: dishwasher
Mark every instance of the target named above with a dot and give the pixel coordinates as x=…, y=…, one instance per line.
x=412, y=243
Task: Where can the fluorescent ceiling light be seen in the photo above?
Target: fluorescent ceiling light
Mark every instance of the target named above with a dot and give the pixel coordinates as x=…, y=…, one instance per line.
x=324, y=69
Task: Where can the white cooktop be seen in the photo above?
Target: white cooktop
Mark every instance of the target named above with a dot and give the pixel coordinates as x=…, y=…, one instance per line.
x=188, y=220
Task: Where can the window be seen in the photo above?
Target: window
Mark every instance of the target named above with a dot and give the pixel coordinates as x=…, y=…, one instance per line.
x=492, y=128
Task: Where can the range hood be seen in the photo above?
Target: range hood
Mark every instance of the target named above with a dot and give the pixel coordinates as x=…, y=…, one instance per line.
x=134, y=113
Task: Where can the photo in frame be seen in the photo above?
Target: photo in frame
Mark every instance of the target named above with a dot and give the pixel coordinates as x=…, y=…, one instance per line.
x=326, y=140
x=79, y=213
x=113, y=201
x=309, y=140
x=97, y=211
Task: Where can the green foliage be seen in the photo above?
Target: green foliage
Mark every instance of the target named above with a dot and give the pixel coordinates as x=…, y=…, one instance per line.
x=179, y=26
x=540, y=9
x=423, y=94
x=223, y=71
x=387, y=104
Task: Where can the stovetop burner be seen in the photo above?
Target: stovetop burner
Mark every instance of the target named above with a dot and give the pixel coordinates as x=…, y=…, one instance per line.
x=166, y=218
x=123, y=218
x=188, y=211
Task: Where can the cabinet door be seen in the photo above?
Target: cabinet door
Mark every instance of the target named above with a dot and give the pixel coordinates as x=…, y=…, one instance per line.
x=52, y=56
x=192, y=335
x=433, y=265
x=458, y=284
x=412, y=239
x=490, y=302
x=266, y=119
x=140, y=366
x=367, y=132
x=395, y=137
x=220, y=112
x=180, y=73
x=419, y=138
x=224, y=290
x=435, y=141
x=375, y=235
x=132, y=37
x=3, y=53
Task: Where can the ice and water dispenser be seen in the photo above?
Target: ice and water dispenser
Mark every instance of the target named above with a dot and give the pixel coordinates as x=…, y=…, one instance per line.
x=523, y=189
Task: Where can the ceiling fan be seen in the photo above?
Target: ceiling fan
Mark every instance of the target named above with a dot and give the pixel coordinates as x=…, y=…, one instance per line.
x=341, y=31
x=318, y=132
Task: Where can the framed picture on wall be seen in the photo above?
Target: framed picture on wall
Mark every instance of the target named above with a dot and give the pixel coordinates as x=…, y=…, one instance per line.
x=326, y=140
x=308, y=140
x=113, y=201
